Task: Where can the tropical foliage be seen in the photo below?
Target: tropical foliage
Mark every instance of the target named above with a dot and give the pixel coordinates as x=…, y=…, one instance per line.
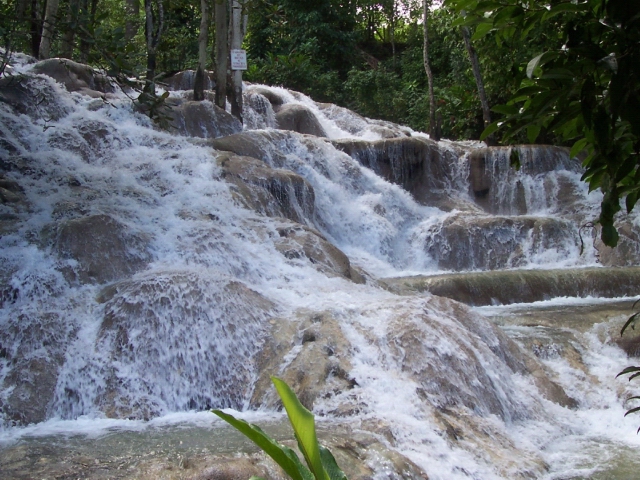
x=584, y=92
x=320, y=463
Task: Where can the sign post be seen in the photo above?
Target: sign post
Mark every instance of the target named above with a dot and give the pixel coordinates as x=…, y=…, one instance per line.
x=238, y=59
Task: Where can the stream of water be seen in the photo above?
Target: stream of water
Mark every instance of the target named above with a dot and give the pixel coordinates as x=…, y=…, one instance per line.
x=140, y=287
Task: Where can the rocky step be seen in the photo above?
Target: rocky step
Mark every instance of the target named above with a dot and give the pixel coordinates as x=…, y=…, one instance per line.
x=523, y=286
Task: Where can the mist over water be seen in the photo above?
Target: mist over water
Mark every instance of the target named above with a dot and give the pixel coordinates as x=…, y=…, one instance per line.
x=137, y=285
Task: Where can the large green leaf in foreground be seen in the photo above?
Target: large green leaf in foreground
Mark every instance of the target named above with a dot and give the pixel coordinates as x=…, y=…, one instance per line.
x=283, y=456
x=322, y=464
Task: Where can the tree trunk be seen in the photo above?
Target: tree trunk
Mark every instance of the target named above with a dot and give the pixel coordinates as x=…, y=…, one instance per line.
x=475, y=66
x=153, y=30
x=68, y=40
x=88, y=20
x=392, y=33
x=36, y=28
x=236, y=75
x=48, y=25
x=434, y=128
x=132, y=7
x=198, y=88
x=222, y=52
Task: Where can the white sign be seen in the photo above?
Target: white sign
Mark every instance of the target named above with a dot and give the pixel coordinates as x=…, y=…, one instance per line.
x=238, y=59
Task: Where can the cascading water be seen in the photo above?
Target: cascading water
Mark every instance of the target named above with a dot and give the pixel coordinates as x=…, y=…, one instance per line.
x=147, y=273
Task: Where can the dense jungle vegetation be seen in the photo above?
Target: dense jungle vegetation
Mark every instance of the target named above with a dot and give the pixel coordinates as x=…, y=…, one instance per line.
x=362, y=54
x=539, y=71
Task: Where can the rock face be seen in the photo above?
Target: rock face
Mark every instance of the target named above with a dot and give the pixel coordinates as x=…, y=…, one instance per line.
x=300, y=242
x=101, y=248
x=525, y=286
x=185, y=80
x=269, y=191
x=420, y=166
x=299, y=119
x=33, y=96
x=75, y=77
x=174, y=329
x=203, y=120
x=498, y=186
x=317, y=361
x=34, y=343
x=276, y=100
x=465, y=242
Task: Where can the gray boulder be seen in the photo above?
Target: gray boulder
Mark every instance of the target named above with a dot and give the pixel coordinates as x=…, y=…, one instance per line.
x=299, y=118
x=103, y=249
x=202, y=119
x=76, y=77
x=269, y=191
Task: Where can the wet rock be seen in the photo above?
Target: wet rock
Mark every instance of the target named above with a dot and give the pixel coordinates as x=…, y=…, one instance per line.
x=185, y=80
x=630, y=345
x=76, y=77
x=419, y=165
x=299, y=118
x=269, y=191
x=259, y=113
x=276, y=100
x=14, y=203
x=626, y=252
x=189, y=453
x=90, y=139
x=233, y=468
x=476, y=372
x=32, y=96
x=202, y=119
x=103, y=248
x=299, y=241
x=472, y=242
x=317, y=359
x=177, y=341
x=498, y=186
x=525, y=286
x=32, y=347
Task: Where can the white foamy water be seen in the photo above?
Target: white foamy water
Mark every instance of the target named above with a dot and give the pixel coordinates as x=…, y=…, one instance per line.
x=179, y=332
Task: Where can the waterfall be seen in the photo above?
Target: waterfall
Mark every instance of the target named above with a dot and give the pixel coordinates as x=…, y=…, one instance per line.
x=149, y=275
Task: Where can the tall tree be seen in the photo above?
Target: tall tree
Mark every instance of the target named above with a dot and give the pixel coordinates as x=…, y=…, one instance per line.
x=154, y=24
x=433, y=126
x=198, y=88
x=237, y=35
x=132, y=8
x=89, y=9
x=222, y=52
x=477, y=74
x=68, y=39
x=48, y=25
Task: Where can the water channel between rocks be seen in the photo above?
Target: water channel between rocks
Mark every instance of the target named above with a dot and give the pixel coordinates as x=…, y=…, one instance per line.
x=151, y=274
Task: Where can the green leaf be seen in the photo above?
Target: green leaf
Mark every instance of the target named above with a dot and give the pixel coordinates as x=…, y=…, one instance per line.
x=539, y=61
x=628, y=370
x=629, y=323
x=532, y=132
x=633, y=410
x=304, y=428
x=609, y=235
x=578, y=147
x=330, y=465
x=492, y=127
x=481, y=30
x=562, y=8
x=506, y=109
x=283, y=456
